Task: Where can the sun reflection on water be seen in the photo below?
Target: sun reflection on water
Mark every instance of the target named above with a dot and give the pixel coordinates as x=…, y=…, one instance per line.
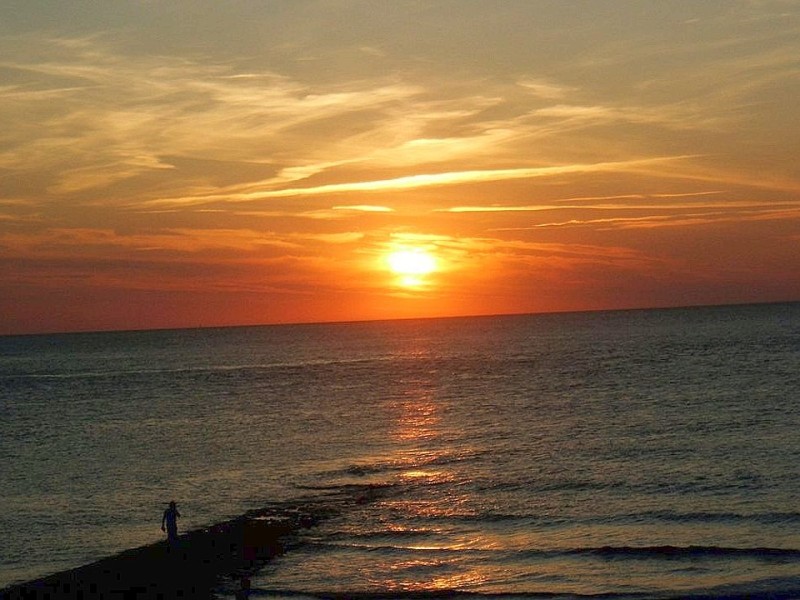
x=418, y=417
x=431, y=450
x=405, y=577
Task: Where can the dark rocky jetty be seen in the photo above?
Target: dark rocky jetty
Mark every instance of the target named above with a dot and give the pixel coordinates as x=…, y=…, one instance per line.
x=191, y=569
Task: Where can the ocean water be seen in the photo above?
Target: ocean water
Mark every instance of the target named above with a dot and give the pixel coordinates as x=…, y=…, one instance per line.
x=635, y=454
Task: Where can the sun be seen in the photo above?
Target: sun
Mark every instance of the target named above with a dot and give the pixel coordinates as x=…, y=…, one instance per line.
x=411, y=265
x=411, y=262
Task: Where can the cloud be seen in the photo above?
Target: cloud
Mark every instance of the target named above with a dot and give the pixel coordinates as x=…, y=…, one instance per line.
x=421, y=181
x=363, y=208
x=551, y=205
x=121, y=119
x=688, y=194
x=88, y=241
x=504, y=254
x=542, y=88
x=624, y=202
x=678, y=215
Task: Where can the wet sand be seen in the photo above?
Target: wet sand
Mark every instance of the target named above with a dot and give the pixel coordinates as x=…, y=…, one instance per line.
x=192, y=569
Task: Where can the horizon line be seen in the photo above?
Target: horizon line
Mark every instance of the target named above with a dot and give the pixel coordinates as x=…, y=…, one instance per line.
x=398, y=319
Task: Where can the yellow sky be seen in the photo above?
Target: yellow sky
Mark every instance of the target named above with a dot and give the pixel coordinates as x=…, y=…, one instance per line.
x=174, y=164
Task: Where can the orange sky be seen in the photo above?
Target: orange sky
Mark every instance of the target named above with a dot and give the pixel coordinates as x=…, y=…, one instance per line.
x=197, y=163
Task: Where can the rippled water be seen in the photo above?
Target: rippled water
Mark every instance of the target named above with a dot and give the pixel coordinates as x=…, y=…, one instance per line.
x=641, y=453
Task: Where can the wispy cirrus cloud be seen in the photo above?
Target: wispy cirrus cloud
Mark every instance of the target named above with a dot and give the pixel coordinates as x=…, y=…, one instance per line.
x=544, y=88
x=673, y=216
x=369, y=208
x=119, y=119
x=558, y=204
x=167, y=244
x=419, y=181
x=627, y=202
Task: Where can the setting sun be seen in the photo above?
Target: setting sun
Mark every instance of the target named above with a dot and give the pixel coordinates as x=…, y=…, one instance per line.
x=411, y=265
x=411, y=262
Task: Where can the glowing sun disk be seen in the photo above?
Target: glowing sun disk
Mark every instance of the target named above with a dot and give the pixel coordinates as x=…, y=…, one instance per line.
x=411, y=262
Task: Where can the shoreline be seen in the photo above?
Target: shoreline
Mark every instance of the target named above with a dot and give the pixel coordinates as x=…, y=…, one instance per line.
x=192, y=569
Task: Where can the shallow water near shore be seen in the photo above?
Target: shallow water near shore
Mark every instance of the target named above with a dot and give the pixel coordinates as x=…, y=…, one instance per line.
x=645, y=454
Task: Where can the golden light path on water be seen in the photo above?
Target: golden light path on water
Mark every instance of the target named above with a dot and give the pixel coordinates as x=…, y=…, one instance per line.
x=433, y=449
x=420, y=429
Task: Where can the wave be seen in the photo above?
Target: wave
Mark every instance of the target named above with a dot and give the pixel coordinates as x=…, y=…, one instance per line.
x=401, y=464
x=382, y=534
x=790, y=594
x=681, y=552
x=360, y=493
x=767, y=518
x=257, y=368
x=666, y=552
x=762, y=589
x=439, y=594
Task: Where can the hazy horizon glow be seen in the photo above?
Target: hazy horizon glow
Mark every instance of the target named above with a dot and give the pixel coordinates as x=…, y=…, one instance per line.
x=197, y=163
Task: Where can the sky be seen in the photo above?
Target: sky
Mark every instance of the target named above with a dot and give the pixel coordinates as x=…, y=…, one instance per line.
x=175, y=163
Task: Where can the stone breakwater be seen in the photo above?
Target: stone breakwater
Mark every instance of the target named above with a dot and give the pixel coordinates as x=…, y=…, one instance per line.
x=201, y=560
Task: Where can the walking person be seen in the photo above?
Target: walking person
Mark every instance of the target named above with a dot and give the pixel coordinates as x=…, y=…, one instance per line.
x=169, y=523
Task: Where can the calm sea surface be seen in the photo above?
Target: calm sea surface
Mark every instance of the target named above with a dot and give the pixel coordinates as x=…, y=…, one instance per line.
x=637, y=454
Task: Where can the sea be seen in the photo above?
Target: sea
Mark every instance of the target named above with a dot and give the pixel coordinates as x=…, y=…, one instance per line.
x=625, y=454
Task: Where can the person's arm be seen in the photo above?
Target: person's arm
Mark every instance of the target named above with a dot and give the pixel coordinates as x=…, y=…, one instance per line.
x=163, y=518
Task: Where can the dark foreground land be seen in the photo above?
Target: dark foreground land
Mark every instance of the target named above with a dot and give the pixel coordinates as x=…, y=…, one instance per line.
x=199, y=563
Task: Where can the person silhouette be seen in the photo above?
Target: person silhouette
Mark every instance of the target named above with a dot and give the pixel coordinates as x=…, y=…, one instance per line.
x=169, y=523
